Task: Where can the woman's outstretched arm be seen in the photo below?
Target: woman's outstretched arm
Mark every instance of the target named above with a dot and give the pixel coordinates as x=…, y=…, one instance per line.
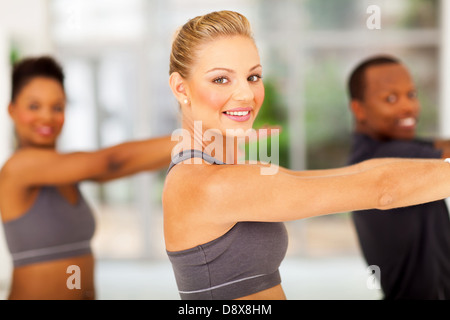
x=228, y=194
x=354, y=168
x=37, y=166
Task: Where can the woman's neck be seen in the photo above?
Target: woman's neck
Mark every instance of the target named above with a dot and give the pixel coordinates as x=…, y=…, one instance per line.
x=211, y=142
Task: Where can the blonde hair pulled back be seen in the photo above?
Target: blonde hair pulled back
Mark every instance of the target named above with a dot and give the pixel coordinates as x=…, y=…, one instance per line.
x=201, y=30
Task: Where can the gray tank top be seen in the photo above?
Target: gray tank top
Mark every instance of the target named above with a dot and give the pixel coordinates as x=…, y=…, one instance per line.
x=52, y=229
x=243, y=261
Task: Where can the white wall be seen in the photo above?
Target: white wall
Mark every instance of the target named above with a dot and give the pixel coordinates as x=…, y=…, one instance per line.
x=444, y=90
x=27, y=24
x=5, y=124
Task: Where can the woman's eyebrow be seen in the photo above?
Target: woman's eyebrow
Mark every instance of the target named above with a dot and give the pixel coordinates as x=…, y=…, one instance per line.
x=256, y=67
x=221, y=69
x=231, y=70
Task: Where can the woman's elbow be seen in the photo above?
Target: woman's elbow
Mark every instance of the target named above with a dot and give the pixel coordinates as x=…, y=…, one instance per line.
x=386, y=200
x=387, y=192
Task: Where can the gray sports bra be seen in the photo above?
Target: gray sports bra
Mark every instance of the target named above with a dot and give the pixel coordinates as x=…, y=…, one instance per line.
x=243, y=261
x=52, y=229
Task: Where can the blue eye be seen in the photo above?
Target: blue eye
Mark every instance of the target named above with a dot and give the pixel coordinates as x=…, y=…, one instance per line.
x=221, y=80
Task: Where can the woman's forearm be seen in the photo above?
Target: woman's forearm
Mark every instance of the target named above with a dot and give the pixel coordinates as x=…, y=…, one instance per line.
x=355, y=168
x=414, y=181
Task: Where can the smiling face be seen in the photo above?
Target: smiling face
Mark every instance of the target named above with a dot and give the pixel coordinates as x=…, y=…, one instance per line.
x=390, y=109
x=38, y=112
x=224, y=89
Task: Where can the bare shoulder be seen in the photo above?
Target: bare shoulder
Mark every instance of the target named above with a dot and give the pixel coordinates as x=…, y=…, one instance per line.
x=189, y=182
x=14, y=196
x=186, y=184
x=205, y=186
x=25, y=158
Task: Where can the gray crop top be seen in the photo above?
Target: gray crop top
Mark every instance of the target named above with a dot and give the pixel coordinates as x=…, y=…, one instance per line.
x=52, y=229
x=243, y=261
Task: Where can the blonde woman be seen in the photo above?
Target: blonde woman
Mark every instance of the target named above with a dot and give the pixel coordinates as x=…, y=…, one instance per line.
x=223, y=221
x=47, y=223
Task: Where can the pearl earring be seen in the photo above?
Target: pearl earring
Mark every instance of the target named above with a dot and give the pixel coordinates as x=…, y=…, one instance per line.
x=185, y=101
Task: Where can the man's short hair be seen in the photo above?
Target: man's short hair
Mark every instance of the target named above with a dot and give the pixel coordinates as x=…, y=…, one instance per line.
x=357, y=82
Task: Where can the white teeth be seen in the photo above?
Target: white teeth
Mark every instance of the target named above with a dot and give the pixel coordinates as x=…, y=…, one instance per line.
x=407, y=122
x=237, y=113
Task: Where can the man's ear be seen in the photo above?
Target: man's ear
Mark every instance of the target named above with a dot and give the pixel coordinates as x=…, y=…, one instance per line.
x=178, y=86
x=358, y=110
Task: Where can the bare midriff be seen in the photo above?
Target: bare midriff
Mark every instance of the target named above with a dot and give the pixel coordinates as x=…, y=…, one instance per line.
x=54, y=280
